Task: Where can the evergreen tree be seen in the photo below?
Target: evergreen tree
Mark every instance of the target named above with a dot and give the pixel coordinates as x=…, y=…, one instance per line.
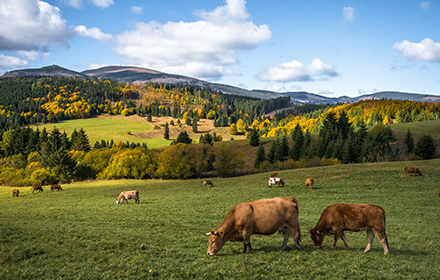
x=343, y=126
x=194, y=126
x=349, y=149
x=207, y=138
x=261, y=156
x=409, y=142
x=425, y=147
x=188, y=121
x=284, y=147
x=62, y=165
x=272, y=151
x=255, y=138
x=65, y=141
x=55, y=142
x=166, y=133
x=32, y=144
x=182, y=138
x=298, y=143
x=149, y=118
x=81, y=141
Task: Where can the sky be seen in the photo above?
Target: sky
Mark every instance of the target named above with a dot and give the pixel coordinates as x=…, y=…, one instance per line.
x=331, y=48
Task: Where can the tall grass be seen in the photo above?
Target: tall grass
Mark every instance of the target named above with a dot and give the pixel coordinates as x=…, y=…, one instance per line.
x=80, y=232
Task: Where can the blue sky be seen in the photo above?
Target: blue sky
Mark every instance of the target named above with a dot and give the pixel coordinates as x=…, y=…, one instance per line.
x=332, y=48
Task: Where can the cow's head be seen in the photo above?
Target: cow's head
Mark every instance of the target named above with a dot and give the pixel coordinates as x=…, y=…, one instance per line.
x=216, y=242
x=117, y=201
x=317, y=237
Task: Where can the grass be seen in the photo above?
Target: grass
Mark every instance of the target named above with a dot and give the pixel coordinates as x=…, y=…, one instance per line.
x=80, y=233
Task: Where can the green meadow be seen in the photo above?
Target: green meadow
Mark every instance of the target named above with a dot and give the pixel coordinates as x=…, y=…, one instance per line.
x=80, y=232
x=117, y=128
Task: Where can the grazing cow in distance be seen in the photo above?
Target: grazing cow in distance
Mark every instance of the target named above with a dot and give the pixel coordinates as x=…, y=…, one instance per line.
x=277, y=181
x=15, y=192
x=56, y=187
x=414, y=170
x=338, y=218
x=309, y=183
x=274, y=174
x=208, y=182
x=38, y=188
x=128, y=195
x=264, y=216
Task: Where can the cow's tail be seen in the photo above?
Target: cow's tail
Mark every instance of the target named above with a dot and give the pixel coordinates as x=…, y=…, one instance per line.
x=298, y=230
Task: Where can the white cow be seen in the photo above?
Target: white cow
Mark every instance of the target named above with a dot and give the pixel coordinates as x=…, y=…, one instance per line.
x=276, y=180
x=128, y=195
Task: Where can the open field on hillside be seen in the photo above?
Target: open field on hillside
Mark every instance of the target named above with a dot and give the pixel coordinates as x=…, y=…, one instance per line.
x=80, y=233
x=106, y=127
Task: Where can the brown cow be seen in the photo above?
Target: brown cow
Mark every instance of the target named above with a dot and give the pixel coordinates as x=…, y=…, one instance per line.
x=274, y=174
x=128, y=195
x=208, y=182
x=414, y=170
x=338, y=218
x=56, y=187
x=15, y=192
x=264, y=216
x=309, y=183
x=38, y=188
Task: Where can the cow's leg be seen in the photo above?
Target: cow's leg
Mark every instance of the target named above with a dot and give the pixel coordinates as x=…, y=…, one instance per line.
x=384, y=240
x=246, y=240
x=286, y=238
x=245, y=245
x=370, y=237
x=342, y=235
x=337, y=234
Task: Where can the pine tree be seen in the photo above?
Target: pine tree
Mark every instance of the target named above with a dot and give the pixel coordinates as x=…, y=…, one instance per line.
x=298, y=143
x=261, y=156
x=166, y=133
x=81, y=141
x=62, y=165
x=55, y=142
x=284, y=147
x=194, y=126
x=409, y=142
x=182, y=138
x=425, y=147
x=272, y=151
x=255, y=138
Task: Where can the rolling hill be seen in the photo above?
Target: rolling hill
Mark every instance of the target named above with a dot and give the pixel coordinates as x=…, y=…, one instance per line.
x=138, y=75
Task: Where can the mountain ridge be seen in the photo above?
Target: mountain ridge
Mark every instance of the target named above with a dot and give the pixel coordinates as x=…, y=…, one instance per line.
x=139, y=75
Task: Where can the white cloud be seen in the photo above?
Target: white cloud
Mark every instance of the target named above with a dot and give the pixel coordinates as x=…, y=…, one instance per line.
x=276, y=88
x=94, y=33
x=137, y=9
x=96, y=65
x=98, y=3
x=31, y=25
x=10, y=62
x=30, y=55
x=203, y=48
x=348, y=13
x=426, y=50
x=296, y=71
x=425, y=5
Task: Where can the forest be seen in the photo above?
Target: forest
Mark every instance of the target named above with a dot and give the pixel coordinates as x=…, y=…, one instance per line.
x=310, y=135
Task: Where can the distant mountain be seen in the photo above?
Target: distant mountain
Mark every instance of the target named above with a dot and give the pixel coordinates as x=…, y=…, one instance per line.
x=137, y=75
x=302, y=97
x=48, y=71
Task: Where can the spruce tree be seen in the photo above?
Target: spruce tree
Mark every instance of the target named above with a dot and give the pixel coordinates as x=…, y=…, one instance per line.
x=55, y=141
x=194, y=126
x=81, y=141
x=261, y=156
x=284, y=147
x=166, y=133
x=255, y=138
x=425, y=147
x=273, y=149
x=298, y=143
x=409, y=142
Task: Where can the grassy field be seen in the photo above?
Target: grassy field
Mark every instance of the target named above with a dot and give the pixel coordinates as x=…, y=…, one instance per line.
x=80, y=233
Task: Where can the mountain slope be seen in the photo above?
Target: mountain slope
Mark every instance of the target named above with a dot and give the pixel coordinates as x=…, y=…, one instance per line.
x=48, y=71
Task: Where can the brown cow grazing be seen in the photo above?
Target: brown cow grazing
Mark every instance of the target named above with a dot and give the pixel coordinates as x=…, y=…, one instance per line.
x=274, y=174
x=15, y=192
x=338, y=218
x=128, y=195
x=309, y=183
x=277, y=181
x=414, y=170
x=38, y=188
x=264, y=216
x=56, y=187
x=208, y=182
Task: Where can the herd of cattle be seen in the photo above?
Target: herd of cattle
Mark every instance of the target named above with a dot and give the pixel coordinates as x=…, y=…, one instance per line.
x=280, y=214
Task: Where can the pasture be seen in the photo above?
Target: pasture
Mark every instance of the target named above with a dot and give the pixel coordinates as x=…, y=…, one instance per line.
x=80, y=232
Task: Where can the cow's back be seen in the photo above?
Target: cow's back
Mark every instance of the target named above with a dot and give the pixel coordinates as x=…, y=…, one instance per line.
x=272, y=213
x=354, y=217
